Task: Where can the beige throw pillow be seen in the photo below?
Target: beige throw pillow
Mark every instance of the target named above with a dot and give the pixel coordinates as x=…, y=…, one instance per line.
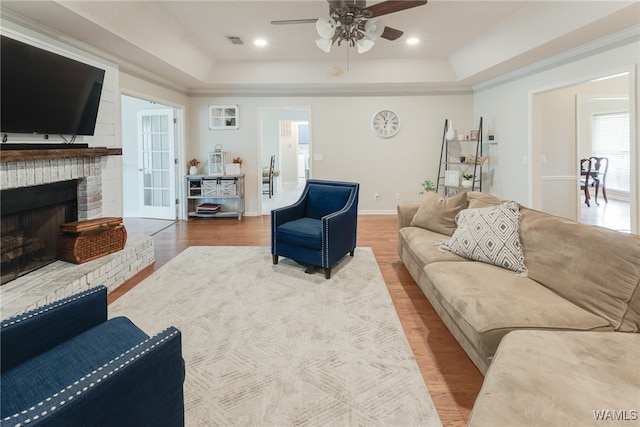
x=438, y=213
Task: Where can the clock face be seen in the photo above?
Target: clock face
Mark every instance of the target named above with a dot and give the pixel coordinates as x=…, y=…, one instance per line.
x=385, y=123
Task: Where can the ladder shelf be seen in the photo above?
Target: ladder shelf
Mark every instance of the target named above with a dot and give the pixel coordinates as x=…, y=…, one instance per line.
x=460, y=162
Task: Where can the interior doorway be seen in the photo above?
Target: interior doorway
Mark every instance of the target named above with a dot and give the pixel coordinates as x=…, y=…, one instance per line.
x=286, y=134
x=562, y=124
x=152, y=143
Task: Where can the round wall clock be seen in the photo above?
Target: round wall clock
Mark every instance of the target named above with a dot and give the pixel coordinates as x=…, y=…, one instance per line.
x=385, y=123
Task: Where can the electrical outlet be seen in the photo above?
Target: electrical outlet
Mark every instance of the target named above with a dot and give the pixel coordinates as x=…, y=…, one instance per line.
x=397, y=196
x=376, y=196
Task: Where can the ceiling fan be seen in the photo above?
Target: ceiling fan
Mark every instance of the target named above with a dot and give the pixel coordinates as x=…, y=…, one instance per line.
x=354, y=22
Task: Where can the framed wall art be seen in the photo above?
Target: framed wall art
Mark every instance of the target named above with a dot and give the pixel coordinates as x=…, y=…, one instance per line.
x=223, y=117
x=452, y=178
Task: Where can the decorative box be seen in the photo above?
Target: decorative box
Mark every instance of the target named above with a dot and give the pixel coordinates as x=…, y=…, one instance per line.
x=232, y=169
x=82, y=241
x=210, y=187
x=227, y=187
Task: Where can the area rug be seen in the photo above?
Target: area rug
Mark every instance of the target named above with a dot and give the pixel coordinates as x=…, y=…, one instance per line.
x=268, y=345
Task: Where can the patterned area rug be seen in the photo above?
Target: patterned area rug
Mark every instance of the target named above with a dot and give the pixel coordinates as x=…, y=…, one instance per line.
x=268, y=345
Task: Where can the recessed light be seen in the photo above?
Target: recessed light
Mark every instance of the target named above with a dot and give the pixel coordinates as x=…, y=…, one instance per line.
x=413, y=40
x=260, y=42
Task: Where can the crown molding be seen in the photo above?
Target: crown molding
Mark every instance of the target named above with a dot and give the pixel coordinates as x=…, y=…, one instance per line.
x=328, y=90
x=11, y=20
x=612, y=41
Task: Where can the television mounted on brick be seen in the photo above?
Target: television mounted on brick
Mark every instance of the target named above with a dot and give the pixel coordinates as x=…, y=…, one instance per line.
x=46, y=93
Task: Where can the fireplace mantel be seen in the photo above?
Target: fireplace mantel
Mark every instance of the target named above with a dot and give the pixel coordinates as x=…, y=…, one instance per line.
x=29, y=167
x=50, y=154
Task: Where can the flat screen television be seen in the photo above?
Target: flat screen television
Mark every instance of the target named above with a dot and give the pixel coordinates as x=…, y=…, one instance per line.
x=45, y=93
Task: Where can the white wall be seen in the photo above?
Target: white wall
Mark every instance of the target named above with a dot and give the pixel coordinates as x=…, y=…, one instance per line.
x=508, y=108
x=341, y=136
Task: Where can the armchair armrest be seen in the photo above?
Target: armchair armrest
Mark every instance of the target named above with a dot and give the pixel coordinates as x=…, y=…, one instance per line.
x=29, y=334
x=288, y=213
x=340, y=231
x=142, y=386
x=340, y=234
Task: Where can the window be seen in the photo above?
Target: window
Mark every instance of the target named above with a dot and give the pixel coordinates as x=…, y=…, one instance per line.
x=611, y=140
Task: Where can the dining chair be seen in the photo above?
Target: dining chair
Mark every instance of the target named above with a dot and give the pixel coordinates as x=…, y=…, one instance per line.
x=600, y=167
x=585, y=174
x=268, y=178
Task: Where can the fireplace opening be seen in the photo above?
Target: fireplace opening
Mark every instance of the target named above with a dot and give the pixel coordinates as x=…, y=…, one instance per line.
x=30, y=223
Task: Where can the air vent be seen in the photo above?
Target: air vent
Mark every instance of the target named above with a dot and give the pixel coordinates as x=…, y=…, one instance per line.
x=235, y=40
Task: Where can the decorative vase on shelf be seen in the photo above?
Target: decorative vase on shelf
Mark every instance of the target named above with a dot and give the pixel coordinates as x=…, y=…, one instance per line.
x=451, y=132
x=193, y=170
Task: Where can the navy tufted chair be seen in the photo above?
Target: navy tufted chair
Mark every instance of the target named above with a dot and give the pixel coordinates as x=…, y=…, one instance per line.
x=320, y=228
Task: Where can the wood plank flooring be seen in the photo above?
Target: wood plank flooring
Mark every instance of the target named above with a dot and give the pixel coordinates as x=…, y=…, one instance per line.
x=452, y=379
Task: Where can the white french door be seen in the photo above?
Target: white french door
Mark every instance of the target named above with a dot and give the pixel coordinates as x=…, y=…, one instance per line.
x=156, y=140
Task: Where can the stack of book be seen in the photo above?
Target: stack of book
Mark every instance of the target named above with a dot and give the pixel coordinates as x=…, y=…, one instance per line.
x=207, y=208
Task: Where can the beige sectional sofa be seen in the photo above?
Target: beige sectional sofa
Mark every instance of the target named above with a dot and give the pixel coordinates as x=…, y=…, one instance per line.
x=580, y=278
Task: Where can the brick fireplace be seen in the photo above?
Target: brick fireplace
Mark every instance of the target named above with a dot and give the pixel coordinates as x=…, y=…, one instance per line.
x=33, y=168
x=38, y=195
x=27, y=168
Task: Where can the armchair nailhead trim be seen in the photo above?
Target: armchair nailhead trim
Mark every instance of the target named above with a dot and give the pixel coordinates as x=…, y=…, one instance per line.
x=28, y=315
x=98, y=380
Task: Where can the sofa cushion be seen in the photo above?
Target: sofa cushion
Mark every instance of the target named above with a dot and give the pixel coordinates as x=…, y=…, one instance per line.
x=542, y=378
x=50, y=372
x=488, y=301
x=595, y=268
x=438, y=213
x=477, y=200
x=423, y=246
x=489, y=235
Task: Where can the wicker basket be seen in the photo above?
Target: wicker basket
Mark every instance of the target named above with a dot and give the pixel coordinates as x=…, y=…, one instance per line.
x=83, y=241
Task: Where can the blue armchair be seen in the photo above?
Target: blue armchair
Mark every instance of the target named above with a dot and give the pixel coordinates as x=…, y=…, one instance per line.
x=320, y=228
x=65, y=364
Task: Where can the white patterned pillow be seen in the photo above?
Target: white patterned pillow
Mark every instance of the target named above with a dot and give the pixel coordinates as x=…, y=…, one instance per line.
x=489, y=235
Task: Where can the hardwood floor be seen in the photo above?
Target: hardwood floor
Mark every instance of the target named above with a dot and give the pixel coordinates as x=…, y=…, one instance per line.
x=452, y=379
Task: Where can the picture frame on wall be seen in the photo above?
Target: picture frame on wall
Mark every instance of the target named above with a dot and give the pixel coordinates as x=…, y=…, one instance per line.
x=223, y=117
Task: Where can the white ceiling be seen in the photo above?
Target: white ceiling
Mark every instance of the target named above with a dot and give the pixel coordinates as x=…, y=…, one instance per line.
x=183, y=43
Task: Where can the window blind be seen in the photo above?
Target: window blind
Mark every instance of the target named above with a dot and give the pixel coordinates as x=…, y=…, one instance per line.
x=611, y=140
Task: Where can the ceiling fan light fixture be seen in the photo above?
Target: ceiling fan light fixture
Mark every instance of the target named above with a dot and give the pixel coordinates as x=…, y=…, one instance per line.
x=324, y=44
x=364, y=45
x=374, y=28
x=326, y=27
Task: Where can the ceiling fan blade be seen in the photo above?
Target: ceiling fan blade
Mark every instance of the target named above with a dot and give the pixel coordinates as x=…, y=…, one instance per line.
x=295, y=21
x=391, y=33
x=391, y=6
